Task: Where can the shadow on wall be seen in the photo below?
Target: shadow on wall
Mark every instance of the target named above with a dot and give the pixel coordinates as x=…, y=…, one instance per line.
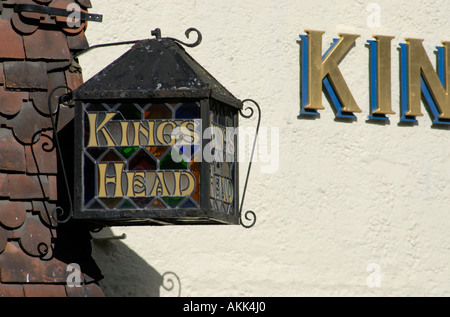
x=126, y=274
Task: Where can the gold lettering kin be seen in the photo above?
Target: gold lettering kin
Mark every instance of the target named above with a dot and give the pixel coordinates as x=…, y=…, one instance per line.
x=418, y=78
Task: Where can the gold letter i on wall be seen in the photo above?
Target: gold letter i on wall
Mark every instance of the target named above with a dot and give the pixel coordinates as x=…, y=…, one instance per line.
x=380, y=77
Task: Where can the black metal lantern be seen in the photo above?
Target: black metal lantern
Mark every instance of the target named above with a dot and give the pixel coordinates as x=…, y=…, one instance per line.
x=156, y=141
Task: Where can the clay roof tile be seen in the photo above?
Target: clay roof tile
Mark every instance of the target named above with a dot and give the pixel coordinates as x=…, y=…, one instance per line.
x=26, y=187
x=35, y=237
x=35, y=122
x=46, y=44
x=18, y=267
x=4, y=186
x=13, y=153
x=44, y=290
x=77, y=41
x=25, y=75
x=85, y=3
x=11, y=290
x=13, y=213
x=11, y=101
x=14, y=47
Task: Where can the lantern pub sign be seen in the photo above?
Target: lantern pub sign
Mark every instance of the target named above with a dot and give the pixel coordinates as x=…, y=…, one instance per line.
x=156, y=141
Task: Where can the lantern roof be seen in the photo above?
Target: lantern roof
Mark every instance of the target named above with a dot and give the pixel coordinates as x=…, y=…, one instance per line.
x=155, y=68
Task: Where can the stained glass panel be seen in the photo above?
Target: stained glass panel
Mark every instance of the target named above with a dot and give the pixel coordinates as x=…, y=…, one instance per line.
x=137, y=156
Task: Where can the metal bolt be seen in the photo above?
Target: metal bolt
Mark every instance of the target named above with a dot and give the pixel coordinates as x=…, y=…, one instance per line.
x=156, y=33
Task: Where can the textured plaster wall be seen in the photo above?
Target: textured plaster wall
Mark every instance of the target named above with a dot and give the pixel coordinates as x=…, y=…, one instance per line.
x=355, y=209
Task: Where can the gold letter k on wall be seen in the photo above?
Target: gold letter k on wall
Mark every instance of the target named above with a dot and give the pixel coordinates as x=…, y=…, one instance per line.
x=320, y=72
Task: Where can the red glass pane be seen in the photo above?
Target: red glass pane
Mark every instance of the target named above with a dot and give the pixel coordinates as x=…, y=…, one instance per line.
x=195, y=169
x=158, y=111
x=142, y=161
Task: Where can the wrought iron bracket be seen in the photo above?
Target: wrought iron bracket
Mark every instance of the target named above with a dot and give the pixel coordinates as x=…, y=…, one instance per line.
x=169, y=285
x=156, y=33
x=35, y=8
x=250, y=216
x=58, y=213
x=123, y=236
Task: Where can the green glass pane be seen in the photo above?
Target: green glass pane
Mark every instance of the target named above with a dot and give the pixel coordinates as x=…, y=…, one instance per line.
x=173, y=201
x=127, y=152
x=127, y=205
x=173, y=161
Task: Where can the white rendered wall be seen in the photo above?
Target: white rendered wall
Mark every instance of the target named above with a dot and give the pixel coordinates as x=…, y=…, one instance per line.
x=354, y=209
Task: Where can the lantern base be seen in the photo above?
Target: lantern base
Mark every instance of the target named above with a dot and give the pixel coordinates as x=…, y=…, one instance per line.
x=156, y=217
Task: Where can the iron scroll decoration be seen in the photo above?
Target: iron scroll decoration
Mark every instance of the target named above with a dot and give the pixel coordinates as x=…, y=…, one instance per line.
x=156, y=33
x=249, y=215
x=247, y=219
x=65, y=99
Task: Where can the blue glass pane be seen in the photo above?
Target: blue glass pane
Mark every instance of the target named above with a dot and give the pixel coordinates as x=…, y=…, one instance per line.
x=188, y=204
x=142, y=202
x=95, y=107
x=130, y=112
x=89, y=180
x=188, y=111
x=96, y=205
x=96, y=152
